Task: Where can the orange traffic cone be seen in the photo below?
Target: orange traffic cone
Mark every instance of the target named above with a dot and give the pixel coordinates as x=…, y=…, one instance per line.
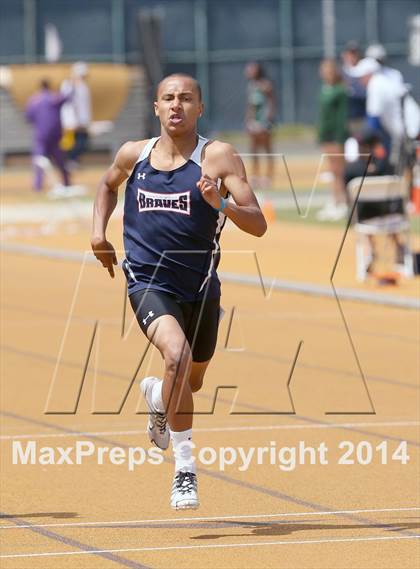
x=415, y=198
x=268, y=211
x=415, y=189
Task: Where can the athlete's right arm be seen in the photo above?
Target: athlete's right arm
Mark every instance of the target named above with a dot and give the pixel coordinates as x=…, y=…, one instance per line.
x=106, y=201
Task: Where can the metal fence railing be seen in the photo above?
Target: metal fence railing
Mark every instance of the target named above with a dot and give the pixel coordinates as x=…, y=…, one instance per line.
x=213, y=39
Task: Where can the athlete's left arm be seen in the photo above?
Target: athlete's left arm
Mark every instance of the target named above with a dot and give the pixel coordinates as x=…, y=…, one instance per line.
x=224, y=163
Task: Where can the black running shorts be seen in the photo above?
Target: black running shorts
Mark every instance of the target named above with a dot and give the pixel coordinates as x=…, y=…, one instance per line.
x=200, y=330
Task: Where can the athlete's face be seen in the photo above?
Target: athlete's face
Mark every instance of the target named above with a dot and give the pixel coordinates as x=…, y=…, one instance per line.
x=178, y=104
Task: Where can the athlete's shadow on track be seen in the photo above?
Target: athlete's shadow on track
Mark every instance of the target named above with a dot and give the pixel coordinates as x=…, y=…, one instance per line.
x=287, y=528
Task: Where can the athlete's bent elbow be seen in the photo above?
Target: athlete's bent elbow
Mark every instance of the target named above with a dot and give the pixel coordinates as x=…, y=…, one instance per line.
x=261, y=228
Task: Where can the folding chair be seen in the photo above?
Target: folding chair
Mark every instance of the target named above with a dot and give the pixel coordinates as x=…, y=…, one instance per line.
x=380, y=210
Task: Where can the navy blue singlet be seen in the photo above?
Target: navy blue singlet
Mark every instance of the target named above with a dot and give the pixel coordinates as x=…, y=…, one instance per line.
x=171, y=234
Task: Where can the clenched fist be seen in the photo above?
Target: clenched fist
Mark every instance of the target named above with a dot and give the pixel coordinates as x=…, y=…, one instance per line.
x=209, y=191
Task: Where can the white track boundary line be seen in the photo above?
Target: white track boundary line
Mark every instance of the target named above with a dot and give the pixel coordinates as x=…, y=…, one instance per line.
x=213, y=546
x=217, y=518
x=219, y=429
x=239, y=278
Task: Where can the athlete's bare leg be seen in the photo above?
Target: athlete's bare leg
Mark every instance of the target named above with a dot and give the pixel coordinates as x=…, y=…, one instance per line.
x=335, y=153
x=198, y=370
x=166, y=334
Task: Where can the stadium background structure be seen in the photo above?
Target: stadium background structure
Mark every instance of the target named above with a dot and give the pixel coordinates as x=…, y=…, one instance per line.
x=289, y=37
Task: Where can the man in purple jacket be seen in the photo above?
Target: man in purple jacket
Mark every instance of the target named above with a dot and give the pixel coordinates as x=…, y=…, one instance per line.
x=43, y=111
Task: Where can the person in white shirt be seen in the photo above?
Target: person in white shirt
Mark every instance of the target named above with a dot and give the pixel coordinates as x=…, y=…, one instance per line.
x=76, y=115
x=383, y=104
x=378, y=52
x=411, y=110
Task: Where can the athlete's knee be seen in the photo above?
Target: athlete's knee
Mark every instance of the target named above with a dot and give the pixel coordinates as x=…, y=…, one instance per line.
x=177, y=358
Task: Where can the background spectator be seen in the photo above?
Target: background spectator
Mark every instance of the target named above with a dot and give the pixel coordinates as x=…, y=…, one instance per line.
x=259, y=117
x=332, y=133
x=370, y=144
x=77, y=114
x=383, y=105
x=43, y=111
x=351, y=55
x=378, y=52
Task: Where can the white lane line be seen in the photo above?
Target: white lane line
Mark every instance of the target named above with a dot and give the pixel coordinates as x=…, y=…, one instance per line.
x=270, y=283
x=217, y=518
x=219, y=429
x=213, y=546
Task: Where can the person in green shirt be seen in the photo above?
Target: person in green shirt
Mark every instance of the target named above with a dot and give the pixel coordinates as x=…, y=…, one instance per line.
x=332, y=133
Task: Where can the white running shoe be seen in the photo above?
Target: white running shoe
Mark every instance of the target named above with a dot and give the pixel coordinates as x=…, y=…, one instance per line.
x=184, y=494
x=332, y=212
x=341, y=212
x=325, y=213
x=157, y=427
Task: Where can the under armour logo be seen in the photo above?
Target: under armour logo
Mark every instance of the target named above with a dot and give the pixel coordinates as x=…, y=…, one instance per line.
x=141, y=176
x=149, y=315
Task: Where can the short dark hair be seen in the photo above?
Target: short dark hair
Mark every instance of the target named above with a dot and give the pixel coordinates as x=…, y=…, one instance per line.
x=352, y=46
x=186, y=76
x=261, y=74
x=369, y=136
x=45, y=84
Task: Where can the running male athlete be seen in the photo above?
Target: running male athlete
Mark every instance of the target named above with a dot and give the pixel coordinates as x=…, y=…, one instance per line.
x=176, y=203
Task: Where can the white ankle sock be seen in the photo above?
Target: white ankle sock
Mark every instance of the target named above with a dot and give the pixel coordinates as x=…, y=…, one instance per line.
x=157, y=399
x=182, y=450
